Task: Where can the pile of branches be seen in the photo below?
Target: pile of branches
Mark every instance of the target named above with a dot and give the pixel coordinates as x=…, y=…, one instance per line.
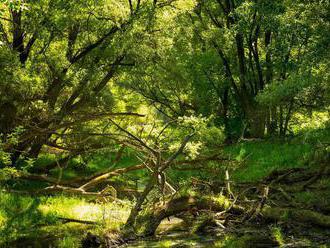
x=228, y=206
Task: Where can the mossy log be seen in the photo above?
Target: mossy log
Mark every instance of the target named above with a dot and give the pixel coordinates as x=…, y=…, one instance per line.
x=149, y=221
x=297, y=215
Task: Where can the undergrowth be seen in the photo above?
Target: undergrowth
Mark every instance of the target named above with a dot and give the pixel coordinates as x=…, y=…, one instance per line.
x=25, y=218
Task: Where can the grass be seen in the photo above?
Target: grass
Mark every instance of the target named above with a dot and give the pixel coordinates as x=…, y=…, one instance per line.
x=258, y=159
x=255, y=160
x=23, y=217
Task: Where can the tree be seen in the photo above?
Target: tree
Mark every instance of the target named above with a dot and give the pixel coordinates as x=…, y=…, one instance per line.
x=232, y=58
x=58, y=59
x=263, y=44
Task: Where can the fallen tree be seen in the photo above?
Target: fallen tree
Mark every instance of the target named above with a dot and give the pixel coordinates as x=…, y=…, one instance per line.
x=296, y=215
x=150, y=220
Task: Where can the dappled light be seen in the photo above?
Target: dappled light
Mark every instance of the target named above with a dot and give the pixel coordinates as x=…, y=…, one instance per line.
x=164, y=123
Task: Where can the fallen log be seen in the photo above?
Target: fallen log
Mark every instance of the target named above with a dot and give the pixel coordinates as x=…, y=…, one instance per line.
x=89, y=182
x=297, y=215
x=68, y=220
x=152, y=218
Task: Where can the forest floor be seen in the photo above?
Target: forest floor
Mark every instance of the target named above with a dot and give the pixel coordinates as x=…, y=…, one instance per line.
x=296, y=174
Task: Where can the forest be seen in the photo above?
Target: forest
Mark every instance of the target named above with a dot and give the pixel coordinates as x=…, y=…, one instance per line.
x=164, y=123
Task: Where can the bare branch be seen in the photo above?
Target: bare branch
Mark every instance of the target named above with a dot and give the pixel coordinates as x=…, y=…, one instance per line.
x=144, y=144
x=131, y=6
x=101, y=178
x=177, y=153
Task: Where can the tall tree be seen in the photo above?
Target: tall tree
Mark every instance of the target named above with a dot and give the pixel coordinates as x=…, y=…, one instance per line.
x=58, y=59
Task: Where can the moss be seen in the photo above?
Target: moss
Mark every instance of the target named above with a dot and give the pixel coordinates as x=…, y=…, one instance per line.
x=231, y=241
x=297, y=215
x=219, y=200
x=318, y=198
x=278, y=236
x=247, y=240
x=165, y=244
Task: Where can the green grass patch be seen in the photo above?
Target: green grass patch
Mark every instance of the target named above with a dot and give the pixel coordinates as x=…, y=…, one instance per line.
x=258, y=158
x=25, y=219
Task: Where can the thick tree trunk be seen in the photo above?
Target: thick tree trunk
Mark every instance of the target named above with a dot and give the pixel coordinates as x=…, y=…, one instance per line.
x=7, y=117
x=256, y=118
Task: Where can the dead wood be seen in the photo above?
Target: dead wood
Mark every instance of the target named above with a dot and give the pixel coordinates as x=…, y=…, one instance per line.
x=296, y=215
x=152, y=218
x=68, y=220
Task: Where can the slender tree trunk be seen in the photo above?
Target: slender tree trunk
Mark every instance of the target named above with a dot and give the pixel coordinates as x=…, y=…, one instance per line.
x=287, y=118
x=140, y=200
x=273, y=120
x=7, y=117
x=281, y=120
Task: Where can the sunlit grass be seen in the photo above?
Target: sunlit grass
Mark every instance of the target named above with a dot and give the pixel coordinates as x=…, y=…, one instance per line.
x=19, y=215
x=97, y=163
x=258, y=159
x=69, y=242
x=255, y=159
x=110, y=214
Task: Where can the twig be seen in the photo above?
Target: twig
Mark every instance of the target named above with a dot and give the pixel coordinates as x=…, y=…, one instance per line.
x=67, y=220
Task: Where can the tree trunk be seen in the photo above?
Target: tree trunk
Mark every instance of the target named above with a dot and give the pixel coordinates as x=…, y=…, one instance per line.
x=7, y=117
x=151, y=220
x=256, y=117
x=137, y=208
x=299, y=215
x=273, y=121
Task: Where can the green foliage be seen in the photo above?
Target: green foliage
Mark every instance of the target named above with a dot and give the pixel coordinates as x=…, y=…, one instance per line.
x=19, y=215
x=206, y=135
x=73, y=73
x=4, y=156
x=13, y=5
x=258, y=159
x=8, y=173
x=311, y=124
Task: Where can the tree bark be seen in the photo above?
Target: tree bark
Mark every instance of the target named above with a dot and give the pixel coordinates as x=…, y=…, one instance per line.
x=256, y=118
x=300, y=215
x=137, y=208
x=151, y=220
